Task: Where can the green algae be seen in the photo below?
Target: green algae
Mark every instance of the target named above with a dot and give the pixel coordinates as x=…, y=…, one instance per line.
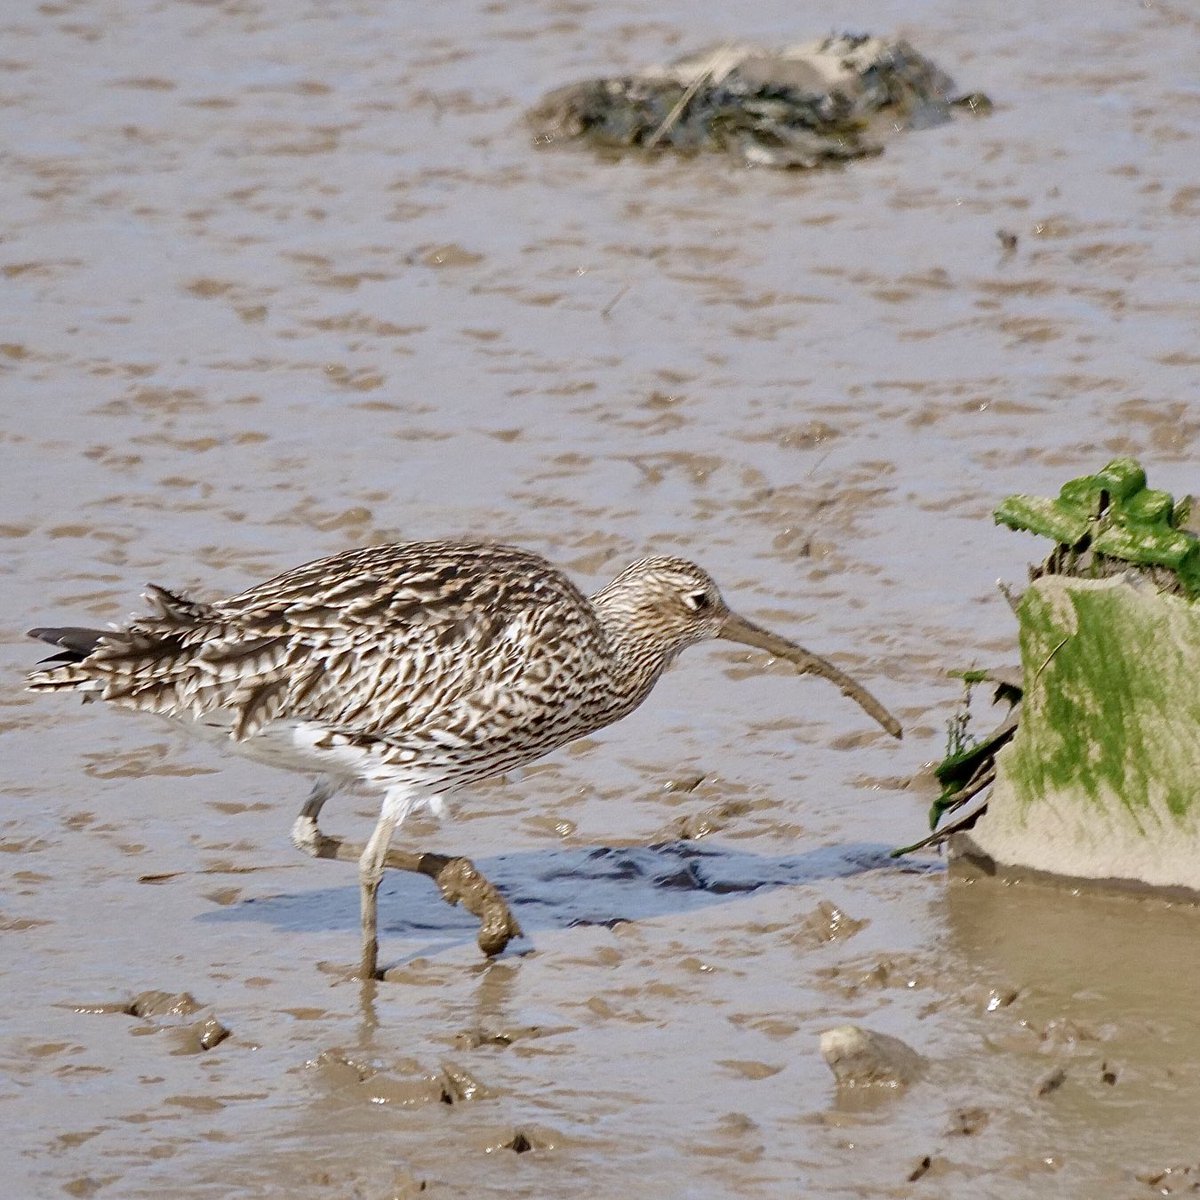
x=1111, y=707
x=968, y=765
x=1112, y=516
x=958, y=771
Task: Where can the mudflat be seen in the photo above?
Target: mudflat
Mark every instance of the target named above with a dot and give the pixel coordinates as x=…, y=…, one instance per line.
x=277, y=283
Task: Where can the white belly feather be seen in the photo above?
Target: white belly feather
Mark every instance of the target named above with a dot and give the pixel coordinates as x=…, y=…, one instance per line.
x=310, y=748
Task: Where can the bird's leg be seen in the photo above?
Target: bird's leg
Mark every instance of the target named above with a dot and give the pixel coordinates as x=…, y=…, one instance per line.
x=306, y=835
x=370, y=875
x=458, y=879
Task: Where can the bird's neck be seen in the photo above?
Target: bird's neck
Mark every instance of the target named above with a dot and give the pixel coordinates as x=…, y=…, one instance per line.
x=636, y=657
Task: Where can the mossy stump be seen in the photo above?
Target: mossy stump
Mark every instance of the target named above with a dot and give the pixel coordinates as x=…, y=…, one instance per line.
x=1101, y=780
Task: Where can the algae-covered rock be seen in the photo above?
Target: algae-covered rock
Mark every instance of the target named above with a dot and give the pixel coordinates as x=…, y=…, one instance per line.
x=1097, y=772
x=801, y=106
x=1102, y=778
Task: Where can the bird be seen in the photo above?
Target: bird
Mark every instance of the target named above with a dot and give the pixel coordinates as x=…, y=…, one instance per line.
x=409, y=670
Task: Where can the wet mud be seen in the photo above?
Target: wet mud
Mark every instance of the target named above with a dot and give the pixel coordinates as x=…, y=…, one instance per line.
x=279, y=283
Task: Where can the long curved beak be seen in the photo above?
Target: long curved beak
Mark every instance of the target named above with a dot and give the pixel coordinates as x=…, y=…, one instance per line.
x=738, y=629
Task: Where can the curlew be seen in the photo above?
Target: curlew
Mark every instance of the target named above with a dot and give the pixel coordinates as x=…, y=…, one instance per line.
x=411, y=669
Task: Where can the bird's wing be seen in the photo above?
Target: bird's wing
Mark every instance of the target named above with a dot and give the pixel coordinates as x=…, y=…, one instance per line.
x=455, y=651
x=377, y=642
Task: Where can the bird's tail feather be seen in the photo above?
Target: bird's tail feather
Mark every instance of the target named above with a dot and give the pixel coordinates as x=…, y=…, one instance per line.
x=75, y=644
x=76, y=641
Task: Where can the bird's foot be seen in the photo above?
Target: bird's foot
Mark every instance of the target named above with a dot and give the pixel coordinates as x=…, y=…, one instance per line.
x=458, y=879
x=461, y=882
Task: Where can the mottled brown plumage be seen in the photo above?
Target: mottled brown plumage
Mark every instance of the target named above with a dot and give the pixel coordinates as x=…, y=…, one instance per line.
x=411, y=668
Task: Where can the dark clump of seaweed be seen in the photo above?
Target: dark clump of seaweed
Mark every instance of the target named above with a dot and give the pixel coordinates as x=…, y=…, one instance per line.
x=802, y=106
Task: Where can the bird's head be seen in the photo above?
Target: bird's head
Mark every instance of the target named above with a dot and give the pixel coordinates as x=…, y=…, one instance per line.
x=659, y=606
x=668, y=603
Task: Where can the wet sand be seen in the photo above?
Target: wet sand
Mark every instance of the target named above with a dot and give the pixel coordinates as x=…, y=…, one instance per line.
x=275, y=286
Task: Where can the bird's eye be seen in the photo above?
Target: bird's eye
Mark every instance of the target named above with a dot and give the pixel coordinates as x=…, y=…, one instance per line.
x=697, y=601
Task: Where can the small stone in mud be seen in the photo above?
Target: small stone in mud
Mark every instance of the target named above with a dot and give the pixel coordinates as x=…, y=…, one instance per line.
x=150, y=1005
x=405, y=1187
x=985, y=999
x=405, y=1085
x=200, y=1037
x=472, y=1039
x=558, y=827
x=897, y=970
x=692, y=828
x=339, y=1069
x=1064, y=1036
x=170, y=1011
x=1051, y=1082
x=861, y=1057
x=685, y=783
x=385, y=1088
x=1171, y=1181
x=967, y=1122
x=1108, y=1074
x=736, y=1125
x=459, y=1084
x=1008, y=240
x=736, y=1137
x=210, y=1032
x=749, y=1068
x=519, y=1141
x=88, y=1185
x=448, y=255
x=712, y=820
x=826, y=923
x=920, y=1169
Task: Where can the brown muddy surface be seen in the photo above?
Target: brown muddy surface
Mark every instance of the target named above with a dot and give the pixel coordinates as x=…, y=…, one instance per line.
x=278, y=280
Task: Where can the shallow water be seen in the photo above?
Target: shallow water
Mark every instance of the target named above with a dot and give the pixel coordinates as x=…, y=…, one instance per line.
x=277, y=284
